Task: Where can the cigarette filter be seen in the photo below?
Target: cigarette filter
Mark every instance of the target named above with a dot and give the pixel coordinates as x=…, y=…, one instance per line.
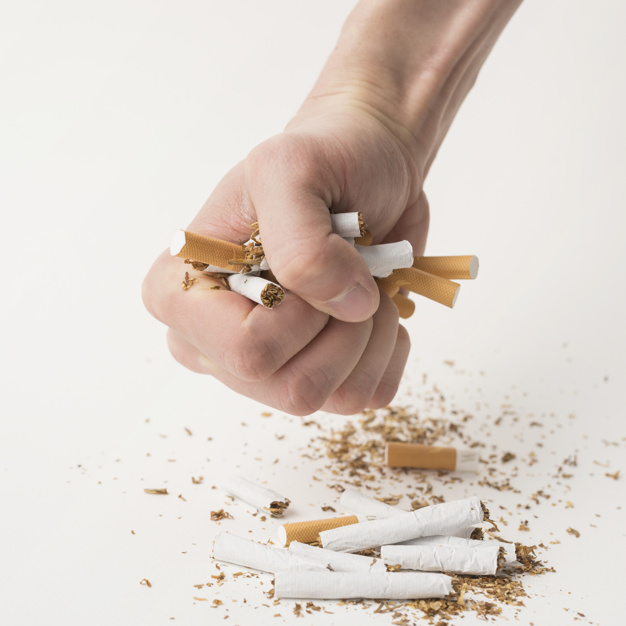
x=256, y=495
x=205, y=249
x=337, y=561
x=347, y=224
x=232, y=549
x=347, y=585
x=428, y=285
x=366, y=239
x=309, y=531
x=383, y=258
x=439, y=519
x=431, y=457
x=358, y=502
x=454, y=267
x=406, y=306
x=476, y=544
x=257, y=289
x=453, y=559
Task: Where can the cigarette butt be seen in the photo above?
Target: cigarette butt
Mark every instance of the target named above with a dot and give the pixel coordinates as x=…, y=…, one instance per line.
x=365, y=239
x=368, y=585
x=455, y=267
x=421, y=456
x=309, y=531
x=406, y=306
x=205, y=249
x=347, y=224
x=386, y=257
x=439, y=519
x=337, y=561
x=257, y=289
x=257, y=495
x=435, y=288
x=239, y=551
x=453, y=559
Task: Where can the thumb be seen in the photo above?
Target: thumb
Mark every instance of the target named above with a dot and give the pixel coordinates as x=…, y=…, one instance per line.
x=302, y=251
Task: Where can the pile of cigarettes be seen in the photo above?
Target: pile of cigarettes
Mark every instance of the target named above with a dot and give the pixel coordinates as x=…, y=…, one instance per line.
x=245, y=270
x=378, y=553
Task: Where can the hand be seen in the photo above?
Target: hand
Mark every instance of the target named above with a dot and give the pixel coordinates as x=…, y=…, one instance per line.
x=315, y=350
x=364, y=141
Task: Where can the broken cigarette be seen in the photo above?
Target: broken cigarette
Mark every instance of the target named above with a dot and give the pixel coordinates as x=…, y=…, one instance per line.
x=347, y=224
x=421, y=456
x=368, y=585
x=256, y=495
x=406, y=306
x=453, y=559
x=435, y=288
x=510, y=558
x=439, y=519
x=215, y=252
x=337, y=561
x=309, y=531
x=239, y=551
x=358, y=502
x=257, y=289
x=454, y=267
x=384, y=258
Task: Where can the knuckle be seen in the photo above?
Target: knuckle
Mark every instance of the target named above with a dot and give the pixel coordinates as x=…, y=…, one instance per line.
x=305, y=393
x=354, y=395
x=252, y=358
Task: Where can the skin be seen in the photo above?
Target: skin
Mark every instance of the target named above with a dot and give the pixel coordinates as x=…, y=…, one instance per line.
x=363, y=140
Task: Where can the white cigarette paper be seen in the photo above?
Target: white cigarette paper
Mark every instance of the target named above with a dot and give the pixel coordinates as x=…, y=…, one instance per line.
x=368, y=507
x=239, y=551
x=253, y=287
x=337, y=561
x=256, y=495
x=383, y=258
x=357, y=502
x=350, y=585
x=453, y=559
x=346, y=224
x=439, y=519
x=476, y=544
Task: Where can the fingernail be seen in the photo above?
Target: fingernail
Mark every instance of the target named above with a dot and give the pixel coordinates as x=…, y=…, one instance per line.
x=354, y=305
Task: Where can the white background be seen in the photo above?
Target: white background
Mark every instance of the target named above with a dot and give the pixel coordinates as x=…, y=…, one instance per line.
x=116, y=121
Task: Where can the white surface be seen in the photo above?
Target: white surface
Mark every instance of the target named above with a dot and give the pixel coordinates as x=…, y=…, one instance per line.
x=116, y=121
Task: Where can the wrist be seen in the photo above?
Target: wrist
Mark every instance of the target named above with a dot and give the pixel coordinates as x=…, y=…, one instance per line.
x=410, y=63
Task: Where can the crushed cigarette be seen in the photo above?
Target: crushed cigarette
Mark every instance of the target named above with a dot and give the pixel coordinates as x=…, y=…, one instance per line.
x=374, y=585
x=337, y=561
x=256, y=495
x=438, y=519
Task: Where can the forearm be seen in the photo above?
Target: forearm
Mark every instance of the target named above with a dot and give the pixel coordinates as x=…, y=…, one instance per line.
x=412, y=62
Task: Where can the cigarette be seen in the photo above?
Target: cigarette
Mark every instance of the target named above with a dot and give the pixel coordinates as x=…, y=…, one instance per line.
x=239, y=551
x=347, y=224
x=421, y=456
x=406, y=306
x=354, y=500
x=256, y=495
x=367, y=585
x=510, y=558
x=386, y=257
x=439, y=519
x=453, y=559
x=455, y=267
x=209, y=250
x=435, y=288
x=367, y=507
x=337, y=561
x=309, y=531
x=257, y=289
